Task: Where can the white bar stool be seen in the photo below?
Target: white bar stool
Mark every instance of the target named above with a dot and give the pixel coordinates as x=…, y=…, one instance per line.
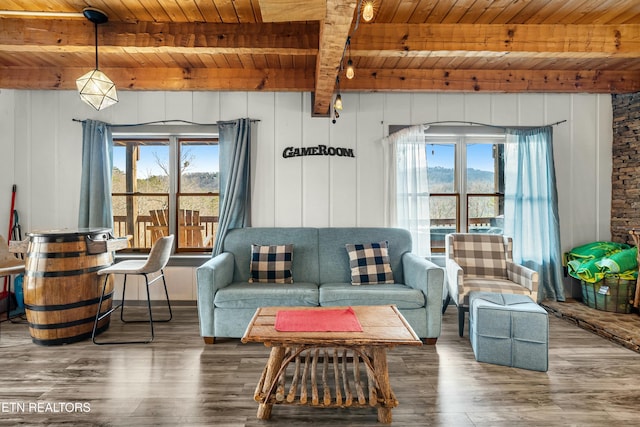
x=155, y=263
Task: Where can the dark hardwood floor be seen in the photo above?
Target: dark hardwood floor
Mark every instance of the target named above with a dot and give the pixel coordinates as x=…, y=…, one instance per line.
x=177, y=380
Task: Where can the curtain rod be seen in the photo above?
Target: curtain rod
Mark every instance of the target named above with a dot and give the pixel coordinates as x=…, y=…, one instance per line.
x=165, y=122
x=225, y=122
x=489, y=125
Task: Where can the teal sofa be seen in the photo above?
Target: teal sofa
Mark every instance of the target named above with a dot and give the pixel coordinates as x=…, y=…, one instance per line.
x=321, y=277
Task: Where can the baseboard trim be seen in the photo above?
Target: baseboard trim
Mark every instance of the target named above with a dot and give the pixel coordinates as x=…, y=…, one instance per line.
x=159, y=302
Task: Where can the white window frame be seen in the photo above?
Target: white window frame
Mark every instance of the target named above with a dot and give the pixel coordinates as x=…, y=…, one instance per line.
x=460, y=137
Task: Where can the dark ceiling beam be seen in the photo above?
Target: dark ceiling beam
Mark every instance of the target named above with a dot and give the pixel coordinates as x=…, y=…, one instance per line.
x=324, y=41
x=150, y=78
x=334, y=30
x=514, y=81
x=297, y=80
x=60, y=33
x=587, y=39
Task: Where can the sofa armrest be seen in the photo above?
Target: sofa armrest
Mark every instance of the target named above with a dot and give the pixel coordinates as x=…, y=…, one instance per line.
x=455, y=276
x=211, y=276
x=429, y=278
x=422, y=274
x=523, y=276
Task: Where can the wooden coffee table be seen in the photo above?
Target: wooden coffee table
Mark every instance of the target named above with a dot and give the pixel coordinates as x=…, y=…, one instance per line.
x=330, y=369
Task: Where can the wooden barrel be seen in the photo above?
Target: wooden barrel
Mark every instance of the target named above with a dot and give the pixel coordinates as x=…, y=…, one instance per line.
x=62, y=287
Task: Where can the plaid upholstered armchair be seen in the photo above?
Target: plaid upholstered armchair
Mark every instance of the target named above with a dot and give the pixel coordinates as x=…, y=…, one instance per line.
x=484, y=262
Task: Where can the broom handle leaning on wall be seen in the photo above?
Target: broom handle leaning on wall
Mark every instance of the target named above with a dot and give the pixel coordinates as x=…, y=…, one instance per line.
x=13, y=204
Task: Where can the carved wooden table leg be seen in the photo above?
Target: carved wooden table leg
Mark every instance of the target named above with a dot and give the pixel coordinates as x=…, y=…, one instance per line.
x=273, y=365
x=379, y=355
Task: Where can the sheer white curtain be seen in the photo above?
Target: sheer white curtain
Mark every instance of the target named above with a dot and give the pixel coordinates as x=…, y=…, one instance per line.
x=406, y=196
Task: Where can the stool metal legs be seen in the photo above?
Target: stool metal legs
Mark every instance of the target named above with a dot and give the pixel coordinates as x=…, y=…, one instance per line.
x=100, y=316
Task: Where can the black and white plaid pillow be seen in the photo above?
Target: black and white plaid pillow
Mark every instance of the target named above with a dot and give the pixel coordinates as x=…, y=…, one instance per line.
x=271, y=264
x=370, y=263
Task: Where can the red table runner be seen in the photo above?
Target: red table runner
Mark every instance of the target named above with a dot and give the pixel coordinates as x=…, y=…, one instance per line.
x=341, y=320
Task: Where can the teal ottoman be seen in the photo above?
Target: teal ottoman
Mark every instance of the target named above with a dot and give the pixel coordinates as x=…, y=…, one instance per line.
x=509, y=329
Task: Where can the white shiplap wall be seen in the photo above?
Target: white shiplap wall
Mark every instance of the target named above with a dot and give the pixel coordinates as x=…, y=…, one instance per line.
x=40, y=151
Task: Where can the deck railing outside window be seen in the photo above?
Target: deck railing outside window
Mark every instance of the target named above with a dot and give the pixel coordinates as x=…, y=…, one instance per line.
x=142, y=230
x=484, y=211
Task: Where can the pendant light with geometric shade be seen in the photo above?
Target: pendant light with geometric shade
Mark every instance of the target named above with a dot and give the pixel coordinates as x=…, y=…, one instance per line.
x=95, y=88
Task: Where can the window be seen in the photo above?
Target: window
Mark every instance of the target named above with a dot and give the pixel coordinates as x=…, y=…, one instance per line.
x=466, y=181
x=166, y=184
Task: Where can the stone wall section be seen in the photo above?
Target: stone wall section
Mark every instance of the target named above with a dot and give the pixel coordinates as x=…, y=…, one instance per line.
x=625, y=179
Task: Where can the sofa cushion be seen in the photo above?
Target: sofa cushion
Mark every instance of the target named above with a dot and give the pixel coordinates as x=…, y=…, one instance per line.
x=271, y=264
x=344, y=294
x=304, y=266
x=333, y=258
x=500, y=286
x=369, y=263
x=254, y=295
x=481, y=255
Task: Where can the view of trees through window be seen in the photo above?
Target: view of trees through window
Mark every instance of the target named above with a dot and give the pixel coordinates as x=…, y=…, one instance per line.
x=166, y=186
x=466, y=185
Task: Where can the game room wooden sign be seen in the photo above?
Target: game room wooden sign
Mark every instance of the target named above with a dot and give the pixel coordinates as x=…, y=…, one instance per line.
x=319, y=150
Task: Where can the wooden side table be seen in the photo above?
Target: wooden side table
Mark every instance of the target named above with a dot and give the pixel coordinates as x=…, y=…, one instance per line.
x=330, y=369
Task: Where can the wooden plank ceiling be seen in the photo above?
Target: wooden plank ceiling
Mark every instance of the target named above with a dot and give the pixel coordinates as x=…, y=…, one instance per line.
x=297, y=45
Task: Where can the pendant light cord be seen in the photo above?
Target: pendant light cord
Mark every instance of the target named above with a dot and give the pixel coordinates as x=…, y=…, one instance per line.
x=96, y=36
